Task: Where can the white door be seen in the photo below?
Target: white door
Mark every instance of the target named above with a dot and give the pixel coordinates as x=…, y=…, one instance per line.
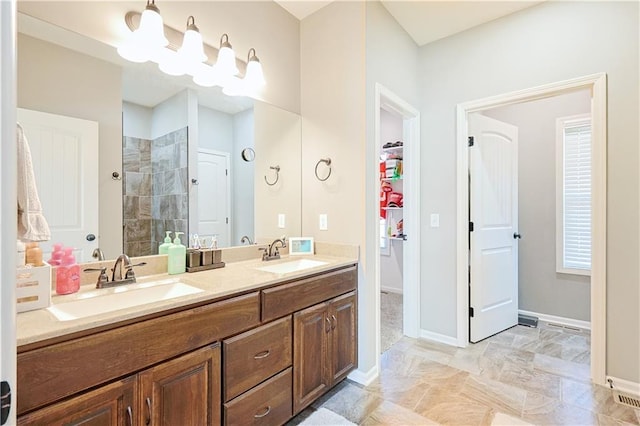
x=65, y=163
x=493, y=168
x=213, y=196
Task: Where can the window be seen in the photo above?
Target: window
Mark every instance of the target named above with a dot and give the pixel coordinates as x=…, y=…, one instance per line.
x=573, y=194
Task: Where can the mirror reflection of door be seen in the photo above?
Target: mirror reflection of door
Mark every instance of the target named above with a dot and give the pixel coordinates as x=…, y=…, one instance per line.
x=213, y=196
x=64, y=151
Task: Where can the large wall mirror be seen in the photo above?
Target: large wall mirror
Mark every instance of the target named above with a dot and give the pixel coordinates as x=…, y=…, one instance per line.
x=188, y=159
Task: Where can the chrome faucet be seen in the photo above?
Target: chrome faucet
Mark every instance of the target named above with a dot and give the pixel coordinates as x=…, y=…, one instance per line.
x=246, y=239
x=123, y=263
x=98, y=254
x=271, y=252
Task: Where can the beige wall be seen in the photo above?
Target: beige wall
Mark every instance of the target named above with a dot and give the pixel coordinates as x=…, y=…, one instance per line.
x=333, y=111
x=540, y=288
x=79, y=86
x=265, y=26
x=277, y=143
x=515, y=53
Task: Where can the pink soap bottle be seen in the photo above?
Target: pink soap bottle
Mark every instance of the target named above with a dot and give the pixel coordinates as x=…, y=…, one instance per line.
x=68, y=274
x=56, y=255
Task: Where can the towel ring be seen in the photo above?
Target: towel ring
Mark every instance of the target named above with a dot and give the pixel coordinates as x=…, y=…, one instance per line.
x=277, y=169
x=327, y=161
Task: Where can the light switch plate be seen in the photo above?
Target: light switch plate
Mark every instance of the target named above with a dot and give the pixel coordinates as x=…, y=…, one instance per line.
x=435, y=220
x=280, y=220
x=323, y=222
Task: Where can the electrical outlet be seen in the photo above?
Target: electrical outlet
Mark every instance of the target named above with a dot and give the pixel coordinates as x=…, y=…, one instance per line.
x=323, y=222
x=435, y=220
x=281, y=220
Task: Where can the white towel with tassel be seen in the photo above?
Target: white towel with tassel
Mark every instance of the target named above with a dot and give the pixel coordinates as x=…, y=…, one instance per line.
x=32, y=225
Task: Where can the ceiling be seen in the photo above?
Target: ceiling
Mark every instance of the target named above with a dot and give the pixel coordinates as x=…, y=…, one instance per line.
x=425, y=20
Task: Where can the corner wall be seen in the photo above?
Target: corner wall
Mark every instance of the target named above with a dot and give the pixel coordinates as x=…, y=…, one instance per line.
x=579, y=38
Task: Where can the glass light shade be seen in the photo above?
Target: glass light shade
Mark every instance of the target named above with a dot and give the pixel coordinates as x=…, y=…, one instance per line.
x=169, y=63
x=254, y=78
x=206, y=76
x=192, y=49
x=133, y=51
x=226, y=63
x=150, y=33
x=234, y=87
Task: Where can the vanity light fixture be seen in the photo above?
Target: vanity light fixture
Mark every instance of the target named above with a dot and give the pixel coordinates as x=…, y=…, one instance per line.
x=148, y=42
x=188, y=57
x=148, y=39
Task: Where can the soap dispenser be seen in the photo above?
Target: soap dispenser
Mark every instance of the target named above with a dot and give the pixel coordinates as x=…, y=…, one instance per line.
x=177, y=255
x=164, y=247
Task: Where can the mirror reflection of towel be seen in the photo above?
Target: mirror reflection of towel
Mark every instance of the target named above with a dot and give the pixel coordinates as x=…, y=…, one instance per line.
x=32, y=225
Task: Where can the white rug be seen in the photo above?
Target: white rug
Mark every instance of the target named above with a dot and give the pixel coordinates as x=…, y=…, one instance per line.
x=322, y=416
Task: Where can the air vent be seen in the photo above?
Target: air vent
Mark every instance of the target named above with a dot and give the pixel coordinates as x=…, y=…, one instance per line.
x=626, y=400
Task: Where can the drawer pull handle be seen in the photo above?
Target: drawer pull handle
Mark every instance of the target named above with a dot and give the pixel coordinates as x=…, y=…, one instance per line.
x=262, y=354
x=335, y=322
x=266, y=411
x=130, y=416
x=148, y=419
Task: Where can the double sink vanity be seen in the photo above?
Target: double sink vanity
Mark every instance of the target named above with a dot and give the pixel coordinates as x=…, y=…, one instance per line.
x=251, y=343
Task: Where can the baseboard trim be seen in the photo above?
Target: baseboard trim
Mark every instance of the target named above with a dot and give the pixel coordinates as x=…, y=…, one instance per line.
x=391, y=290
x=364, y=378
x=437, y=337
x=586, y=325
x=625, y=386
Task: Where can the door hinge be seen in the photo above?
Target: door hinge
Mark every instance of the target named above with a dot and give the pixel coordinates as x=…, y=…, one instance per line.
x=227, y=221
x=471, y=140
x=5, y=401
x=470, y=311
x=470, y=226
x=226, y=172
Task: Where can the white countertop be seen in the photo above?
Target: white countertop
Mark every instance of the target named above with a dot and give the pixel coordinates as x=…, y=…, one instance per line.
x=236, y=277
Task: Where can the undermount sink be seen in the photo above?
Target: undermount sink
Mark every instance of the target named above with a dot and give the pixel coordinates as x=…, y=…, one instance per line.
x=291, y=266
x=97, y=302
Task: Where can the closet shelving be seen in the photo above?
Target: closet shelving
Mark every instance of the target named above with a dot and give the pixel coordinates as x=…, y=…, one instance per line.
x=394, y=214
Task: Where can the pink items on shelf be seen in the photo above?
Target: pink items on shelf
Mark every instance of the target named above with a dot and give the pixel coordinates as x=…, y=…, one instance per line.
x=67, y=273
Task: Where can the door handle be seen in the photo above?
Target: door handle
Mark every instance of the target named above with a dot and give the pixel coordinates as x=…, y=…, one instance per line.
x=516, y=236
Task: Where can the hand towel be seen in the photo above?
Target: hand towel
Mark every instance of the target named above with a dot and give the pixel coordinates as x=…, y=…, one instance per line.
x=32, y=225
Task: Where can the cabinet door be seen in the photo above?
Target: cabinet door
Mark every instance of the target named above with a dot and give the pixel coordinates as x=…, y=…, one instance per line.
x=311, y=328
x=113, y=404
x=184, y=391
x=342, y=312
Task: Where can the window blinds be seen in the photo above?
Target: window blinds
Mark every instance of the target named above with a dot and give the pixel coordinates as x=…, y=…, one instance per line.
x=577, y=196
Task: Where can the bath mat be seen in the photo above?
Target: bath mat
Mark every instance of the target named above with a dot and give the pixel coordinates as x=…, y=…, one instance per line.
x=322, y=416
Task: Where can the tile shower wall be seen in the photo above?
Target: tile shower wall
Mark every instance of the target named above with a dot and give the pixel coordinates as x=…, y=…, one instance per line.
x=155, y=190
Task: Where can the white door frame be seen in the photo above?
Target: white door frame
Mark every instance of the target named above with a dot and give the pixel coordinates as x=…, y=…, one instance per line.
x=411, y=209
x=597, y=84
x=8, y=184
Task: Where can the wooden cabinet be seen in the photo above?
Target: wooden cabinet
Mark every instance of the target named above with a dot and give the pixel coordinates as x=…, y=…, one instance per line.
x=324, y=348
x=113, y=404
x=183, y=391
x=265, y=405
x=282, y=347
x=254, y=356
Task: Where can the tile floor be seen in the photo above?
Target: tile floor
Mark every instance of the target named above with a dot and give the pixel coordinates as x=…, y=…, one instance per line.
x=531, y=375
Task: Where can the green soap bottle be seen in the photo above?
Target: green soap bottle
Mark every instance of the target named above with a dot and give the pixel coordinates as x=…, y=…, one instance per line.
x=164, y=247
x=177, y=256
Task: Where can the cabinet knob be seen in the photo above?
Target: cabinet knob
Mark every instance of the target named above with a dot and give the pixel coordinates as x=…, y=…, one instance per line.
x=328, y=328
x=335, y=322
x=262, y=354
x=148, y=419
x=129, y=416
x=267, y=410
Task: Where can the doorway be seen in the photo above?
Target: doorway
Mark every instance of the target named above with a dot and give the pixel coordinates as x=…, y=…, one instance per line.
x=596, y=85
x=399, y=228
x=214, y=196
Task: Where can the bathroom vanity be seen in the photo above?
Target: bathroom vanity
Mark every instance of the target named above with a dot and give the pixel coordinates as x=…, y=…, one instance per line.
x=252, y=348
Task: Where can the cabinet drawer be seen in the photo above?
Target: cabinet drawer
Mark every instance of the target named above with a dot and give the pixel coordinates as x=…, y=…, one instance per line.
x=256, y=355
x=267, y=404
x=287, y=298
